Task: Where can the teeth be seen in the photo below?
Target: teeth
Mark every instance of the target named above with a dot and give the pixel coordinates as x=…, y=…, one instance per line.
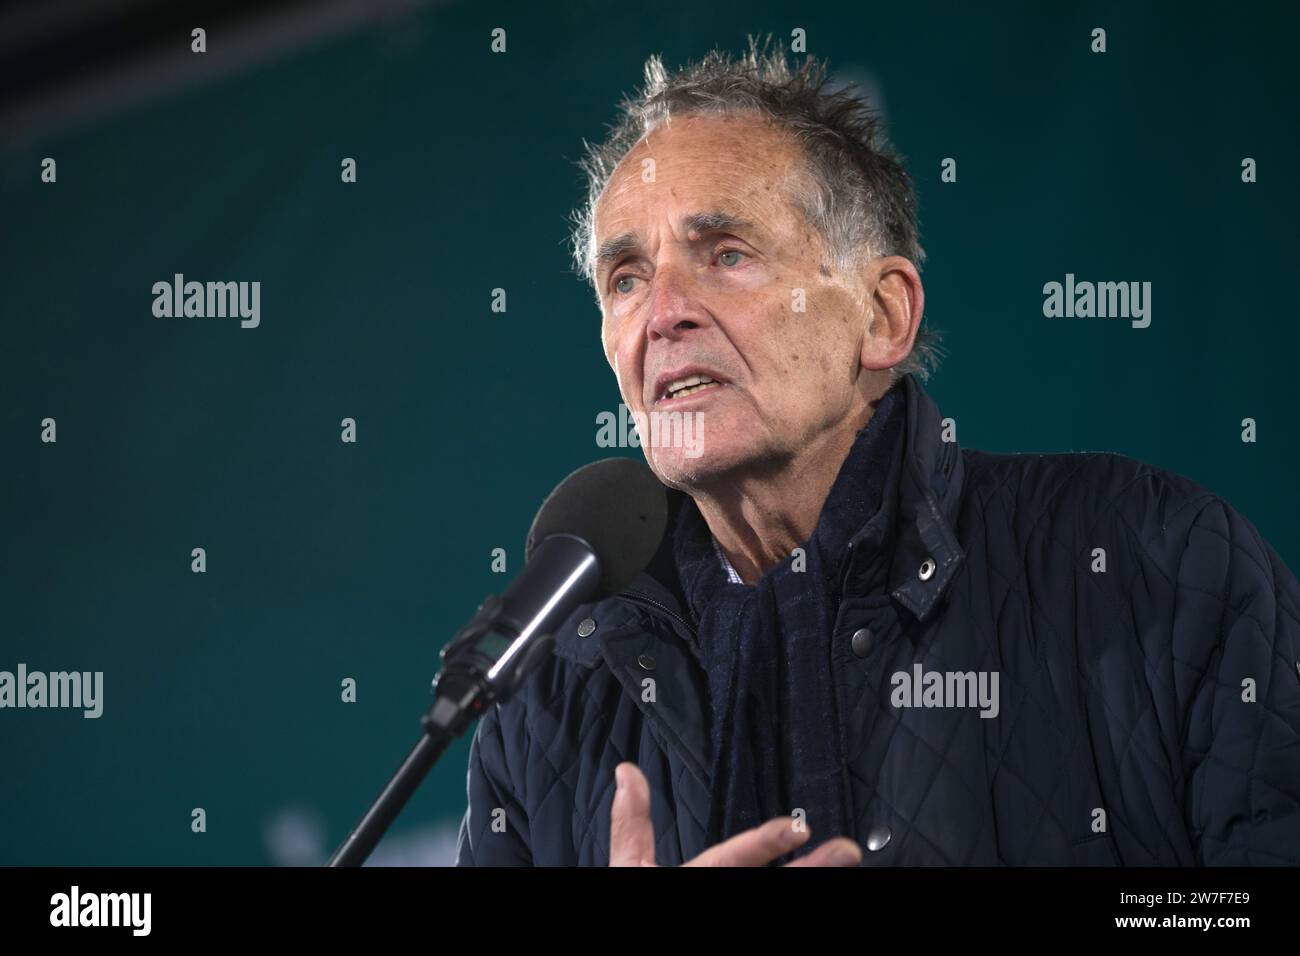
x=692, y=389
x=692, y=383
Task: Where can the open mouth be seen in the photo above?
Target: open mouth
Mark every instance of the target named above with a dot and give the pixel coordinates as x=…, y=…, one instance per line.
x=688, y=385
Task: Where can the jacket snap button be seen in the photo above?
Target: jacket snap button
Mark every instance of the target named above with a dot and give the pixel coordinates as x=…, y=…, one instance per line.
x=878, y=837
x=927, y=569
x=646, y=661
x=586, y=626
x=862, y=641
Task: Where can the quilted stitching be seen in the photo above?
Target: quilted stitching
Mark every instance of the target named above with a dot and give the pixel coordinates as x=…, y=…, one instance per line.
x=1119, y=691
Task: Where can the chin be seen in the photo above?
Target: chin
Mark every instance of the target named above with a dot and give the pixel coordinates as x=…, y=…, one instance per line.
x=683, y=469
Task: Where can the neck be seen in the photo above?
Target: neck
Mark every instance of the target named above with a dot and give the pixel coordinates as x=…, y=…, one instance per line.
x=758, y=520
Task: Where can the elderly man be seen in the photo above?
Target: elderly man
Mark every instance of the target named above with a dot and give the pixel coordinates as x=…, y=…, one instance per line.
x=860, y=644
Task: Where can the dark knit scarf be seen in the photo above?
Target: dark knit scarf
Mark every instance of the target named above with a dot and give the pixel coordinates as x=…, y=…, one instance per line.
x=767, y=651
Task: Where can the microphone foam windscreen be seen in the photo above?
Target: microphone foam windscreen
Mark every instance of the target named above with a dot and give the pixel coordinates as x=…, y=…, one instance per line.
x=617, y=506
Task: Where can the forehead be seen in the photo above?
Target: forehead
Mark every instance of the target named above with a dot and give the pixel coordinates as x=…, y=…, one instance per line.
x=740, y=165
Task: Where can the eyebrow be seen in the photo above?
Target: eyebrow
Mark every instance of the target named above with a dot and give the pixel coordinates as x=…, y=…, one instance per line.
x=716, y=221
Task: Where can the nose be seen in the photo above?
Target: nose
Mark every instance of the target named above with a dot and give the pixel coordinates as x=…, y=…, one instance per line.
x=675, y=307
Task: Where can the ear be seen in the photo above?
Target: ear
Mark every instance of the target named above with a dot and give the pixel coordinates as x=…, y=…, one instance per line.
x=897, y=302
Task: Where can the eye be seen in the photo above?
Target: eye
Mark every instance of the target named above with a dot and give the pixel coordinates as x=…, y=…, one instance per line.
x=722, y=257
x=620, y=288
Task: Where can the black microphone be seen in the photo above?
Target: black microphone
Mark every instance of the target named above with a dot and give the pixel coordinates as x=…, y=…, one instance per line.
x=595, y=532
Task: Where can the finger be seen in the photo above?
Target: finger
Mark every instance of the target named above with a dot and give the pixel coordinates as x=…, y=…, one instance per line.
x=631, y=832
x=837, y=852
x=756, y=847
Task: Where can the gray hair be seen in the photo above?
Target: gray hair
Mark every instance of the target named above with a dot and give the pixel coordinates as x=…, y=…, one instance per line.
x=861, y=200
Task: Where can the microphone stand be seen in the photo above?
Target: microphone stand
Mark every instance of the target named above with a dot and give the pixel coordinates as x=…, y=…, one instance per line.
x=483, y=664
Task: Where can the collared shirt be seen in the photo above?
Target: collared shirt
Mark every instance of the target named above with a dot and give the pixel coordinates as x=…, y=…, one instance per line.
x=766, y=652
x=732, y=576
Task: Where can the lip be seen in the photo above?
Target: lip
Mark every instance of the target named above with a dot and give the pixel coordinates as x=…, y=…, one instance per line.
x=667, y=378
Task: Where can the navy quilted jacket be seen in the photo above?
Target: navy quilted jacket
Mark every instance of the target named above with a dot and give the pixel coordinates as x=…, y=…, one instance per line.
x=1147, y=646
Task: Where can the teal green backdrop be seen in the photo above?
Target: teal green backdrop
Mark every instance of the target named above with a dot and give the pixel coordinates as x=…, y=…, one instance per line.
x=328, y=560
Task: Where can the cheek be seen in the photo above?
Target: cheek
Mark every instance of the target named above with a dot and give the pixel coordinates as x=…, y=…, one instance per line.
x=809, y=350
x=796, y=339
x=611, y=343
x=832, y=323
x=624, y=373
x=831, y=308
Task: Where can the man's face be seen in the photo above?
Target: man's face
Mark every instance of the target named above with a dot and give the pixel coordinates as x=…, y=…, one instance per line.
x=706, y=267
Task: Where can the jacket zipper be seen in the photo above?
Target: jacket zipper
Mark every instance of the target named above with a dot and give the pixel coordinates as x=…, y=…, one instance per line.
x=637, y=598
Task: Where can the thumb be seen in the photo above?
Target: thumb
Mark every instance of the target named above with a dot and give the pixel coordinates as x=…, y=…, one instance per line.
x=631, y=832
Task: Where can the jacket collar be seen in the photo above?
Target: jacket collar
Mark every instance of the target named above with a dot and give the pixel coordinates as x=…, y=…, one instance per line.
x=918, y=512
x=924, y=513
